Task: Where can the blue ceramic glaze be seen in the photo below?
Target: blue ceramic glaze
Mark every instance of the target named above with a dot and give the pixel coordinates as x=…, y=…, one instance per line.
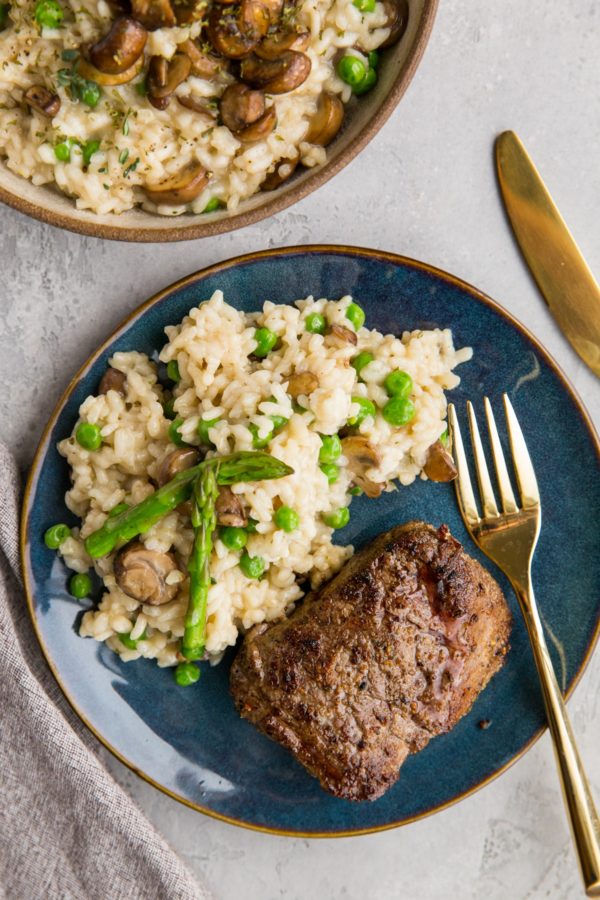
x=190, y=741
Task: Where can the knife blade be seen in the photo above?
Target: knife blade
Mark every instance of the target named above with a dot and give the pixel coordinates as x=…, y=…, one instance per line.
x=556, y=262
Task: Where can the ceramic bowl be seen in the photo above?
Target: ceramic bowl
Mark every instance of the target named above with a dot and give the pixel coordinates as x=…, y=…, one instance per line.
x=397, y=67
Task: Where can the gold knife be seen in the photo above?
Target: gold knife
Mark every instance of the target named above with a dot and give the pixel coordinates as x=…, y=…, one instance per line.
x=555, y=260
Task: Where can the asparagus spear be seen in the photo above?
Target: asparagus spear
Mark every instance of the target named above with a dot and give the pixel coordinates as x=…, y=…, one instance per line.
x=246, y=465
x=204, y=520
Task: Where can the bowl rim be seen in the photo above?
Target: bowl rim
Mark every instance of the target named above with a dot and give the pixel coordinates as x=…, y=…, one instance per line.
x=44, y=444
x=71, y=220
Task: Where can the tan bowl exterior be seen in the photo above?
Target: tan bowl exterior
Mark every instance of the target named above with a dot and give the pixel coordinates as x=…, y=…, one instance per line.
x=399, y=65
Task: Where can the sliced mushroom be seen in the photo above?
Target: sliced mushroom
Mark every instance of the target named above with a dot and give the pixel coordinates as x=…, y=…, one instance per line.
x=113, y=380
x=284, y=169
x=181, y=188
x=439, y=465
x=241, y=106
x=397, y=19
x=177, y=461
x=302, y=383
x=164, y=76
x=229, y=509
x=260, y=129
x=276, y=76
x=327, y=120
x=362, y=455
x=274, y=45
x=153, y=14
x=203, y=65
x=42, y=100
x=235, y=29
x=142, y=573
x=120, y=48
x=198, y=104
x=343, y=334
x=87, y=70
x=187, y=11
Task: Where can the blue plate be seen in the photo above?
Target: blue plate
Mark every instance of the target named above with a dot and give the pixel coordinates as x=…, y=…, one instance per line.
x=190, y=742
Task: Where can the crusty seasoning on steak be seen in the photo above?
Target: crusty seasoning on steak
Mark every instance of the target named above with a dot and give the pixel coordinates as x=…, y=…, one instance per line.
x=391, y=652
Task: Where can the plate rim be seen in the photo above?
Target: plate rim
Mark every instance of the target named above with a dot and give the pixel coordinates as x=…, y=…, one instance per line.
x=134, y=316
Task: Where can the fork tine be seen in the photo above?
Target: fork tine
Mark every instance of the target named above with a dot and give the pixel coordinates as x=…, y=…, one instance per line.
x=464, y=489
x=483, y=476
x=530, y=495
x=509, y=504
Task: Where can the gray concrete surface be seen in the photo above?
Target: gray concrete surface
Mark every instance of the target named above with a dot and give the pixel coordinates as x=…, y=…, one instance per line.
x=424, y=187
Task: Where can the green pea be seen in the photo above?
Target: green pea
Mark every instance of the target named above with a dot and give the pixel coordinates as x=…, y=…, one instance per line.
x=361, y=360
x=356, y=491
x=398, y=411
x=89, y=148
x=62, y=151
x=186, y=674
x=56, y=535
x=259, y=443
x=169, y=408
x=252, y=566
x=213, y=205
x=339, y=518
x=118, y=509
x=331, y=448
x=444, y=437
x=287, y=518
x=364, y=6
x=331, y=472
x=315, y=323
x=80, y=585
x=173, y=370
x=351, y=69
x=174, y=435
x=90, y=94
x=366, y=408
x=48, y=13
x=234, y=538
x=265, y=342
x=398, y=383
x=251, y=526
x=356, y=315
x=129, y=642
x=88, y=436
x=368, y=82
x=204, y=426
x=373, y=59
x=141, y=88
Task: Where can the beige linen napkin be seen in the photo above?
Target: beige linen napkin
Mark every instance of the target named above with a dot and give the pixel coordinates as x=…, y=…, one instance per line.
x=67, y=830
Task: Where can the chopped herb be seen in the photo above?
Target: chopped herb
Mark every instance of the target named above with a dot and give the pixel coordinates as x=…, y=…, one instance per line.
x=131, y=168
x=69, y=55
x=89, y=148
x=106, y=186
x=103, y=170
x=126, y=122
x=141, y=88
x=213, y=204
x=123, y=156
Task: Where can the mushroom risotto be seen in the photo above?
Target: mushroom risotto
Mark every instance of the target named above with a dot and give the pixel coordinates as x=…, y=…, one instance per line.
x=180, y=105
x=304, y=397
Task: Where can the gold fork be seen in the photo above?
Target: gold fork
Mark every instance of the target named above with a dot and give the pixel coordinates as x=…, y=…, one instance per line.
x=509, y=538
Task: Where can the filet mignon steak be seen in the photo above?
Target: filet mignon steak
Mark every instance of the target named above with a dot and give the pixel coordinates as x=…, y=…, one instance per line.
x=389, y=653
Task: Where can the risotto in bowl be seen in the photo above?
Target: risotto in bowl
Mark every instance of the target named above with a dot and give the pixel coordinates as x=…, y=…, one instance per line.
x=170, y=119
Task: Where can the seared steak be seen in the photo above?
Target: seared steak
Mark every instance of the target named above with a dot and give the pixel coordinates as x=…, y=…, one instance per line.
x=388, y=654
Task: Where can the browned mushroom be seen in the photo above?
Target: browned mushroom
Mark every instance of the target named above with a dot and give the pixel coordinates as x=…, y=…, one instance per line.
x=177, y=461
x=229, y=509
x=87, y=70
x=164, y=76
x=187, y=11
x=284, y=169
x=113, y=380
x=302, y=383
x=260, y=129
x=203, y=64
x=397, y=19
x=42, y=100
x=439, y=465
x=276, y=76
x=275, y=44
x=241, y=106
x=235, y=29
x=180, y=188
x=343, y=334
x=362, y=455
x=198, y=104
x=141, y=574
x=120, y=48
x=153, y=14
x=327, y=120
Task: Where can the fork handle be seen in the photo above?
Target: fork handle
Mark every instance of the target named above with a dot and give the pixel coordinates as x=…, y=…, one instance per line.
x=583, y=816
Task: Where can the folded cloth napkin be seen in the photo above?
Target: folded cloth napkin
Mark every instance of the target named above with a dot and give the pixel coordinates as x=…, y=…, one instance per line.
x=67, y=830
